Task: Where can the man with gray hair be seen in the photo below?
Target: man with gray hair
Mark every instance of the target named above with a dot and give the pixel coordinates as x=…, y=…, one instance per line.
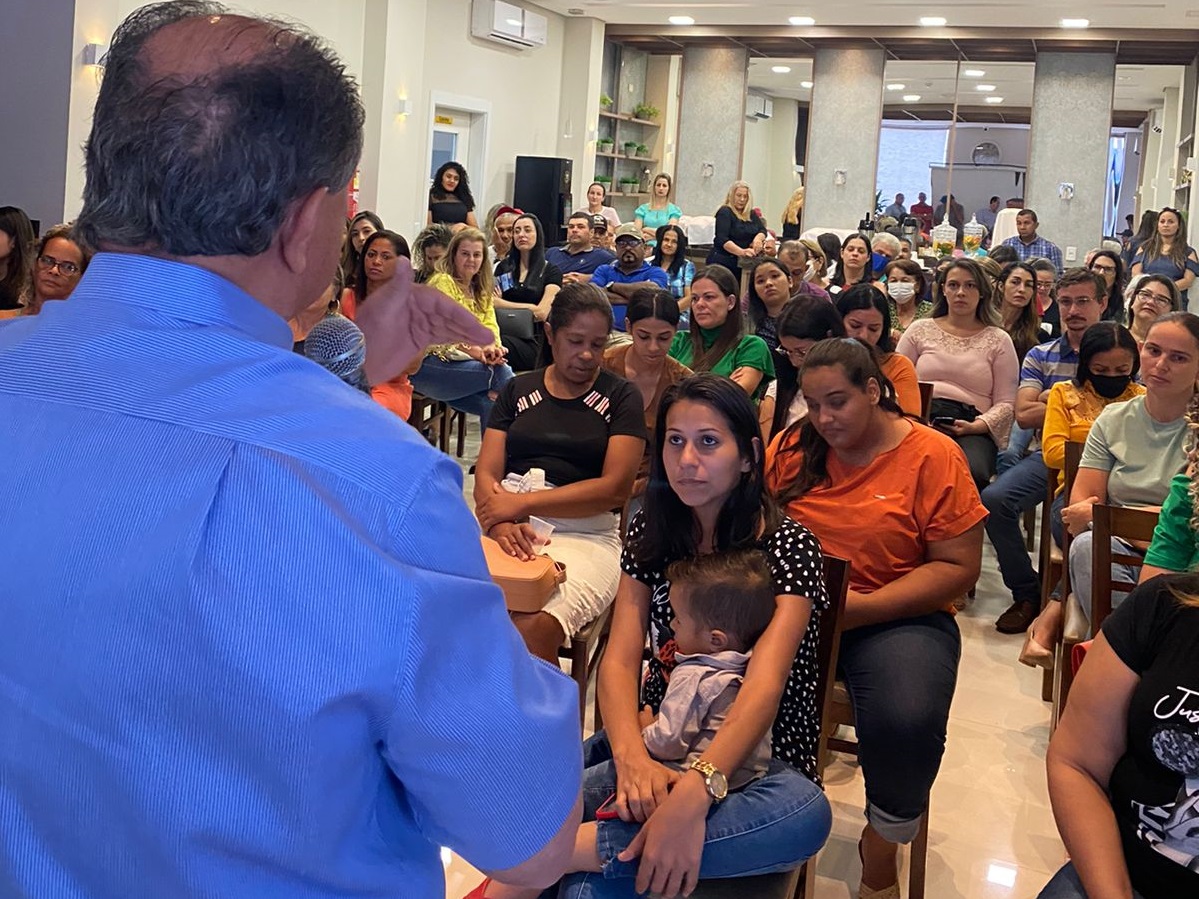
x=249, y=644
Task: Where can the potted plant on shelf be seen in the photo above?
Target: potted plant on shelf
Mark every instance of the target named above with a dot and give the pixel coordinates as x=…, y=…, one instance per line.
x=645, y=111
x=630, y=148
x=642, y=151
x=605, y=144
x=605, y=102
x=605, y=180
x=629, y=185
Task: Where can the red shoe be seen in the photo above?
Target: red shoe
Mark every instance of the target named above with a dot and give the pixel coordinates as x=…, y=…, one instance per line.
x=479, y=892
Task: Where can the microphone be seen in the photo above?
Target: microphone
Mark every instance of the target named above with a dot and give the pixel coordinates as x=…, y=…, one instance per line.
x=336, y=344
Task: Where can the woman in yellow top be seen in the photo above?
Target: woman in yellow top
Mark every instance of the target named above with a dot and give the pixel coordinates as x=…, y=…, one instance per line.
x=1108, y=361
x=467, y=378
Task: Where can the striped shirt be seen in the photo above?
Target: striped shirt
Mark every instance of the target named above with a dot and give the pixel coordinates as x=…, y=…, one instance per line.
x=1040, y=247
x=1048, y=364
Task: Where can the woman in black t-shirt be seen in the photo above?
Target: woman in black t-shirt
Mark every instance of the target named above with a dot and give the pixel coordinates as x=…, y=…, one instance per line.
x=740, y=231
x=1124, y=762
x=450, y=200
x=583, y=428
x=525, y=279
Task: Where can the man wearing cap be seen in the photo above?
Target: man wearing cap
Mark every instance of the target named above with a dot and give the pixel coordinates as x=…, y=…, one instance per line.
x=579, y=259
x=629, y=272
x=601, y=232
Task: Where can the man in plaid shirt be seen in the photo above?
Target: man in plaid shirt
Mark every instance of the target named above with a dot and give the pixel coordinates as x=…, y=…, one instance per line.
x=1027, y=244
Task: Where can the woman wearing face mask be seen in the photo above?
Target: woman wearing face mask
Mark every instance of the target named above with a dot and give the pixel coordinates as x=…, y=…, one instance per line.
x=597, y=198
x=1018, y=308
x=864, y=312
x=1166, y=253
x=740, y=232
x=659, y=211
x=802, y=324
x=1108, y=361
x=819, y=263
x=1152, y=297
x=769, y=291
x=652, y=321
x=856, y=264
x=905, y=295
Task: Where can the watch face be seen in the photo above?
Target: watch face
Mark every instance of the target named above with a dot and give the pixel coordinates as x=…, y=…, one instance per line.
x=719, y=785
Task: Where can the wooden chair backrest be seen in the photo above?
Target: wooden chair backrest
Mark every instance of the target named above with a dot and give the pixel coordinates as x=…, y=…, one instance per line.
x=1073, y=456
x=926, y=399
x=836, y=582
x=1129, y=524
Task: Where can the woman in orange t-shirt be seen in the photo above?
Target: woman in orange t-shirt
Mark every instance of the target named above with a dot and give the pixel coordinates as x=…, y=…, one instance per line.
x=896, y=499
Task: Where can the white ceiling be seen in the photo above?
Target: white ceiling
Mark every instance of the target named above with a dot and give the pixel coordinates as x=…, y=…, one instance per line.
x=988, y=13
x=1137, y=87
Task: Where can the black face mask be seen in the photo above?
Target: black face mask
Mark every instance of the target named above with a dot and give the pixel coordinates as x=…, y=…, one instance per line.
x=1110, y=386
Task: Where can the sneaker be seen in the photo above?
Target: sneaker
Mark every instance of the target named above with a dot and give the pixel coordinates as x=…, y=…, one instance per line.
x=1017, y=618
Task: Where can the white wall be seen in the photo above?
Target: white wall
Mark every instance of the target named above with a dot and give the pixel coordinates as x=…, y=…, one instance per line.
x=768, y=160
x=1012, y=141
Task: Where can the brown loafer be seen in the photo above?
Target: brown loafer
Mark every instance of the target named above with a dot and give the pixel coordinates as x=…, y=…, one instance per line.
x=1017, y=618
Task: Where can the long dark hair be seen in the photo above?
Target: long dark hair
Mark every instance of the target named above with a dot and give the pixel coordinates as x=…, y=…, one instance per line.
x=348, y=269
x=17, y=279
x=860, y=366
x=757, y=307
x=1026, y=332
x=1099, y=338
x=536, y=252
x=1152, y=248
x=730, y=332
x=985, y=311
x=804, y=318
x=867, y=268
x=652, y=302
x=1114, y=312
x=572, y=301
x=1147, y=228
x=461, y=193
x=680, y=253
x=748, y=514
x=398, y=243
x=867, y=296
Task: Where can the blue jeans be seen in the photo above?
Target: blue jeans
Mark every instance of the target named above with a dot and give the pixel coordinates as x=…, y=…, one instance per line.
x=463, y=385
x=1066, y=885
x=773, y=824
x=1013, y=493
x=1017, y=446
x=901, y=677
x=1082, y=558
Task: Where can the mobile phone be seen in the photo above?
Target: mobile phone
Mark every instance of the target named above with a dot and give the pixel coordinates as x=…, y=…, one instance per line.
x=607, y=811
x=943, y=421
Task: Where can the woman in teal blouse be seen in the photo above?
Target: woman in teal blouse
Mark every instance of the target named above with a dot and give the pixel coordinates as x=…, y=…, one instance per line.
x=716, y=340
x=658, y=211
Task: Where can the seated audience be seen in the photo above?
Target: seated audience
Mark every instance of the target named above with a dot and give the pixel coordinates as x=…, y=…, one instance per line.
x=670, y=255
x=652, y=322
x=1153, y=297
x=794, y=255
x=1108, y=362
x=499, y=234
x=864, y=311
x=526, y=280
x=769, y=291
x=358, y=229
x=740, y=231
x=1108, y=265
x=1167, y=253
x=602, y=235
x=855, y=266
x=430, y=246
x=629, y=273
x=450, y=200
x=579, y=258
x=1047, y=310
x=706, y=497
x=583, y=428
x=465, y=376
x=715, y=340
x=1004, y=254
x=659, y=211
x=16, y=266
x=791, y=215
x=819, y=274
x=905, y=295
x=802, y=323
x=912, y=552
x=58, y=265
x=830, y=244
x=1124, y=760
x=884, y=248
x=971, y=363
x=1017, y=290
x=597, y=197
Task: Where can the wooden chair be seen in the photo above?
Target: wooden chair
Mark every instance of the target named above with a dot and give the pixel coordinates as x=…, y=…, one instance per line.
x=429, y=417
x=454, y=417
x=802, y=881
x=1130, y=525
x=585, y=652
x=1054, y=570
x=926, y=399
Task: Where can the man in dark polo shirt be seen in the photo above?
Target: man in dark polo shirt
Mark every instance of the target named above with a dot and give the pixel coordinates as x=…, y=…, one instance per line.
x=579, y=259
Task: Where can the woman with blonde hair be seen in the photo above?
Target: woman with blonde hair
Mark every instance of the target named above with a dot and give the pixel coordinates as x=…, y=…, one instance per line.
x=819, y=261
x=791, y=214
x=740, y=231
x=468, y=378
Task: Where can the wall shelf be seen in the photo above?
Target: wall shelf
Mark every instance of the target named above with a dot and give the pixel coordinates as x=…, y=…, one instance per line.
x=625, y=117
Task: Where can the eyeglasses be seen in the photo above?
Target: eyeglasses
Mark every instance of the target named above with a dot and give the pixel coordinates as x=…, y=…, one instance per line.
x=1044, y=286
x=49, y=263
x=1155, y=298
x=628, y=242
x=796, y=356
x=1074, y=302
x=1104, y=269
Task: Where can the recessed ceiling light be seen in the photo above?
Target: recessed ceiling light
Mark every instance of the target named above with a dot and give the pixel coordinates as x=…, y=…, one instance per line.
x=805, y=84
x=910, y=98
x=984, y=87
x=802, y=20
x=1075, y=23
x=780, y=70
x=993, y=99
x=682, y=20
x=973, y=73
x=932, y=21
x=896, y=86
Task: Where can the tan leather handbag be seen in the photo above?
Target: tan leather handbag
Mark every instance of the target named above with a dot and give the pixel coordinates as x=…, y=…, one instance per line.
x=528, y=585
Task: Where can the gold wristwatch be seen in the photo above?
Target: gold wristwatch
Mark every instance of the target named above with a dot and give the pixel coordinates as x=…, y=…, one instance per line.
x=715, y=782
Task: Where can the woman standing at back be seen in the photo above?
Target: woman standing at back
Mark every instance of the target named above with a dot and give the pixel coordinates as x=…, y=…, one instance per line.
x=450, y=200
x=1166, y=253
x=740, y=232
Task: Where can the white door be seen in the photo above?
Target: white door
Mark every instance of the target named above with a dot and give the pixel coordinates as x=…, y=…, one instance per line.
x=451, y=139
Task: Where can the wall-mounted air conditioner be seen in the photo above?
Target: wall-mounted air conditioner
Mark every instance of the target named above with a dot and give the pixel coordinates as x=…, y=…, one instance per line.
x=758, y=106
x=507, y=23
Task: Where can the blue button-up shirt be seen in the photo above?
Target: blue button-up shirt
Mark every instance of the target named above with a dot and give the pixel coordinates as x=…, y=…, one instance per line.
x=1040, y=247
x=248, y=644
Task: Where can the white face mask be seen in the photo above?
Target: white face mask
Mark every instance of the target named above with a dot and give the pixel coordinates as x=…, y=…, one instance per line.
x=810, y=271
x=901, y=290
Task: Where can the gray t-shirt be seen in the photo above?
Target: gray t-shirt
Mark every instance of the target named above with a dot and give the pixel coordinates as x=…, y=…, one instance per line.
x=1140, y=454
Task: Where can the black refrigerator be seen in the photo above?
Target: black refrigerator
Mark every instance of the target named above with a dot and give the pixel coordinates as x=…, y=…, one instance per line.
x=543, y=188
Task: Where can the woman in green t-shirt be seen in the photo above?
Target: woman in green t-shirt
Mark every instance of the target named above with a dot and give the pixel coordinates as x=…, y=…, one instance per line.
x=716, y=340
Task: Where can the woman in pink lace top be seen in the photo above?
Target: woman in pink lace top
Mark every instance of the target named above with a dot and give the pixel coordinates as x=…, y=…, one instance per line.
x=971, y=363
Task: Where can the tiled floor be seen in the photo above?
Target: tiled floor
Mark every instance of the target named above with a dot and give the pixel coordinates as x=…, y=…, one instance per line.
x=992, y=834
